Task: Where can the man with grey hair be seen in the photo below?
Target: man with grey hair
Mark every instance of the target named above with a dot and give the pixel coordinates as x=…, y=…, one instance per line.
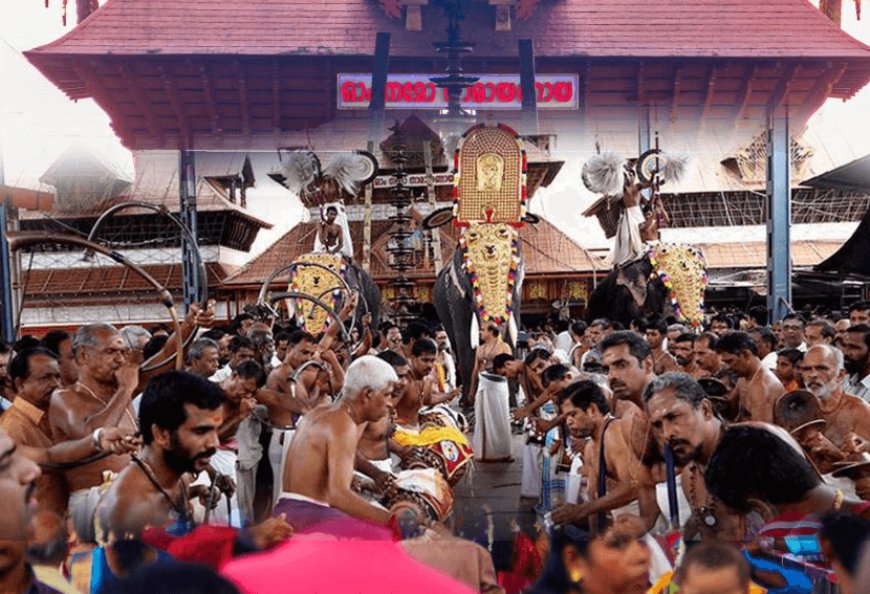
x=846, y=415
x=102, y=397
x=203, y=357
x=136, y=337
x=319, y=466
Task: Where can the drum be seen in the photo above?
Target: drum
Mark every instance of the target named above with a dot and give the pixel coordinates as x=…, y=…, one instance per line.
x=442, y=415
x=423, y=491
x=451, y=459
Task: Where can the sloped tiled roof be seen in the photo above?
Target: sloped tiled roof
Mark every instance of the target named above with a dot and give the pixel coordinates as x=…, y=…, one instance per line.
x=605, y=28
x=108, y=280
x=546, y=251
x=754, y=254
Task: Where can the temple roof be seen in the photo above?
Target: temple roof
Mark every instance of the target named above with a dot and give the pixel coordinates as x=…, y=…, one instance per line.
x=605, y=28
x=216, y=75
x=546, y=251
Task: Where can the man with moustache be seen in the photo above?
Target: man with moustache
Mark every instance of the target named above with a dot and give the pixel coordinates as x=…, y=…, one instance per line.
x=819, y=332
x=60, y=343
x=320, y=462
x=706, y=357
x=682, y=417
x=845, y=414
x=859, y=313
x=35, y=375
x=617, y=477
x=628, y=362
x=682, y=348
x=758, y=389
x=18, y=476
x=856, y=351
x=180, y=416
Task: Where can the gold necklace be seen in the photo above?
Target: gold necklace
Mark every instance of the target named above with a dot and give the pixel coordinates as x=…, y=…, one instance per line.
x=104, y=403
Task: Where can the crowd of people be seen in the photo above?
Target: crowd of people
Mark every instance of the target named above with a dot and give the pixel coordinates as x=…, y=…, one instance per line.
x=655, y=458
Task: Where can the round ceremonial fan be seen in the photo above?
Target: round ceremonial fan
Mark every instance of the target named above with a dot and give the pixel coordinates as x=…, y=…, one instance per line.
x=795, y=409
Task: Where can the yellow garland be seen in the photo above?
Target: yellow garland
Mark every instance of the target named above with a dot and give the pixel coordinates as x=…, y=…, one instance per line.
x=429, y=436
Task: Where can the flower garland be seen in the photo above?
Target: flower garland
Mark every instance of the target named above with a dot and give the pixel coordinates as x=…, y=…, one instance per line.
x=659, y=271
x=477, y=296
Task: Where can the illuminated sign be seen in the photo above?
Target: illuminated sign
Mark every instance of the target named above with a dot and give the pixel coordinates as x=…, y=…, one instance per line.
x=413, y=180
x=492, y=91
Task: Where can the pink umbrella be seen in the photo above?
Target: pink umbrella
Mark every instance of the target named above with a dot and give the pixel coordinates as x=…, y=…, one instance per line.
x=315, y=564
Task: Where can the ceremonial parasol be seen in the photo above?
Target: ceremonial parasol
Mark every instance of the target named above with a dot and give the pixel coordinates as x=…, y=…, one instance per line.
x=313, y=565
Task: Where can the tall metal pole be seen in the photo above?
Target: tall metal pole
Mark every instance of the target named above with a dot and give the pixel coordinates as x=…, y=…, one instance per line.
x=527, y=84
x=187, y=212
x=7, y=316
x=377, y=112
x=778, y=214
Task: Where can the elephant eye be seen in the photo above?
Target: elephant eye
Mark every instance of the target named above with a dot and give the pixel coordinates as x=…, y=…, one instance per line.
x=503, y=233
x=473, y=236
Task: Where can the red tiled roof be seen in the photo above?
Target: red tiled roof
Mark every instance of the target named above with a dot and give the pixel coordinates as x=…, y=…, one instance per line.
x=546, y=251
x=603, y=28
x=108, y=280
x=754, y=254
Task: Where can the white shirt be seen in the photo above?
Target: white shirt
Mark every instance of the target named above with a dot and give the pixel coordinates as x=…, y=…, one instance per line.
x=221, y=374
x=770, y=360
x=858, y=387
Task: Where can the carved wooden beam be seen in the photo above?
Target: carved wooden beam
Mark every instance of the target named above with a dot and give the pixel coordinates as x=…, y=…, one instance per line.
x=276, y=96
x=175, y=102
x=102, y=96
x=155, y=128
x=209, y=101
x=708, y=95
x=678, y=82
x=780, y=94
x=243, y=98
x=745, y=93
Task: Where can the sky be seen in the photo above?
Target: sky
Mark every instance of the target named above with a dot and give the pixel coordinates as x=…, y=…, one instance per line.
x=38, y=122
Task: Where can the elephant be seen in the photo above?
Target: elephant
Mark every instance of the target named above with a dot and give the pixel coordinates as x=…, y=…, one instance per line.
x=628, y=293
x=328, y=278
x=482, y=251
x=669, y=279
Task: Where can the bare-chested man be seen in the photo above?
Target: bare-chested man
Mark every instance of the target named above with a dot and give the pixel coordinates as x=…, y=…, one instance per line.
x=491, y=346
x=180, y=415
x=758, y=389
x=683, y=418
x=375, y=445
x=588, y=415
x=847, y=415
x=420, y=389
x=286, y=394
x=101, y=397
x=331, y=234
x=35, y=375
x=319, y=468
x=627, y=360
x=655, y=333
x=706, y=358
x=682, y=349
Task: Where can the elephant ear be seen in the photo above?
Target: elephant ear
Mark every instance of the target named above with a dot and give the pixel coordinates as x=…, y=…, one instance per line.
x=438, y=218
x=474, y=332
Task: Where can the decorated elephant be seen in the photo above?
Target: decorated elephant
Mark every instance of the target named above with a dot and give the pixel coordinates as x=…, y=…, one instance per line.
x=485, y=275
x=481, y=283
x=319, y=284
x=669, y=279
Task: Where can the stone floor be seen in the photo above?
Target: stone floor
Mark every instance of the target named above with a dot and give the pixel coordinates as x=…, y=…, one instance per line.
x=492, y=492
